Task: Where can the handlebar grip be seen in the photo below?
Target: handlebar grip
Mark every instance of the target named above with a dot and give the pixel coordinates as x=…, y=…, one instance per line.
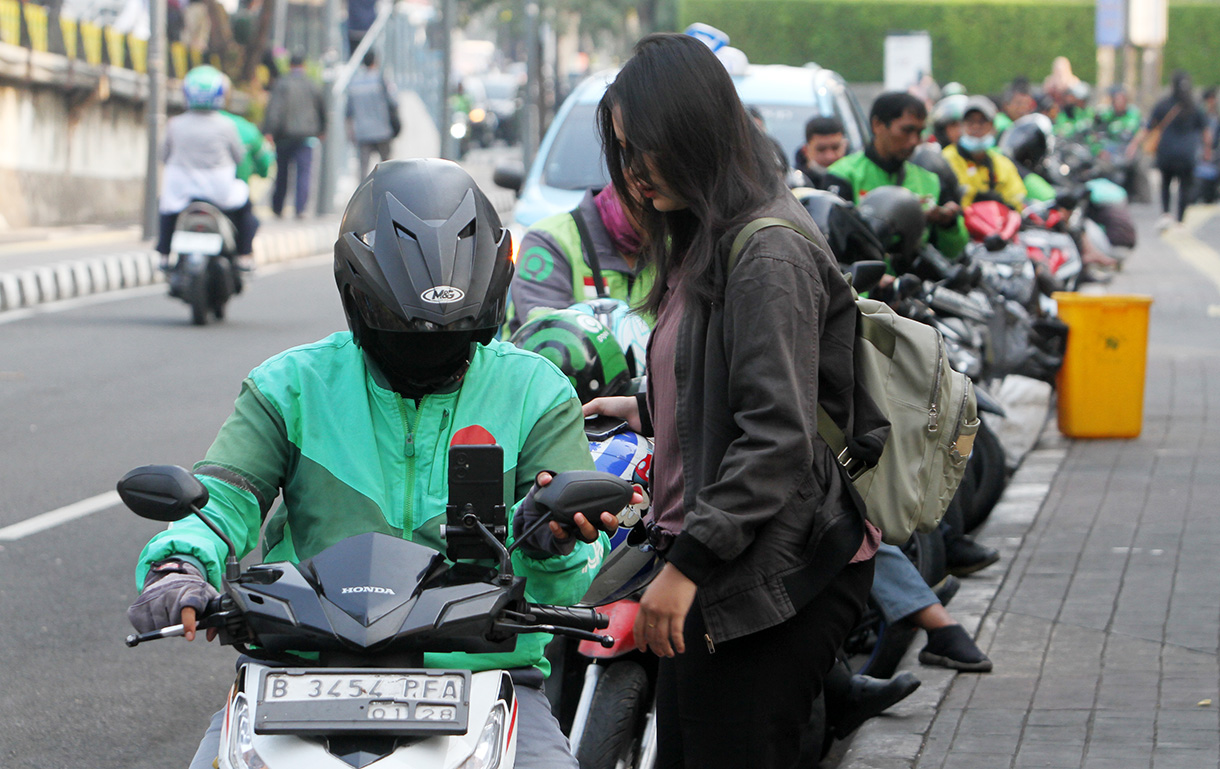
x=570, y=617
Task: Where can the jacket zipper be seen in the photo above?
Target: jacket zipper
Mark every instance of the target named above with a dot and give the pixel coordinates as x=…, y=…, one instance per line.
x=711, y=647
x=409, y=453
x=961, y=407
x=933, y=412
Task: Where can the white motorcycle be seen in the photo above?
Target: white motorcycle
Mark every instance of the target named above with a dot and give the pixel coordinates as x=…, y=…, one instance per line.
x=365, y=610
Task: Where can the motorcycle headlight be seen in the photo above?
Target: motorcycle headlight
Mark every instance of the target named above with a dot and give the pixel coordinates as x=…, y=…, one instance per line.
x=488, y=751
x=241, y=737
x=458, y=130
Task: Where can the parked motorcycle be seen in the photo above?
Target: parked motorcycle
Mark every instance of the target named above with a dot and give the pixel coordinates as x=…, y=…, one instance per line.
x=205, y=242
x=367, y=609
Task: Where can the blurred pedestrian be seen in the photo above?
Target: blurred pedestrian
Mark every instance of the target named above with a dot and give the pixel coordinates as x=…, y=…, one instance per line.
x=1179, y=129
x=768, y=561
x=372, y=113
x=360, y=17
x=295, y=120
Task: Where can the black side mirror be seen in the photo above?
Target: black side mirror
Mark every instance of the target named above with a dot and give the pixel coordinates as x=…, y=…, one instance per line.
x=509, y=176
x=587, y=491
x=162, y=492
x=865, y=275
x=170, y=493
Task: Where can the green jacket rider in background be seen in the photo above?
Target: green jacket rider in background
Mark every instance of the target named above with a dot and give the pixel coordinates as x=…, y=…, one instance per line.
x=555, y=261
x=259, y=157
x=898, y=120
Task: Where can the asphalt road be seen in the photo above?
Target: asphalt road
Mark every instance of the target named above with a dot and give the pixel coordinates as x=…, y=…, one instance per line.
x=89, y=390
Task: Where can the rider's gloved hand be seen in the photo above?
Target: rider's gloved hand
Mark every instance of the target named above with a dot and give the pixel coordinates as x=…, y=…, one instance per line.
x=170, y=587
x=553, y=538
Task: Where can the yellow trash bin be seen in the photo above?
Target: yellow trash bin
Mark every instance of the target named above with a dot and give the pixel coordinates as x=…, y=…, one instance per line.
x=1101, y=383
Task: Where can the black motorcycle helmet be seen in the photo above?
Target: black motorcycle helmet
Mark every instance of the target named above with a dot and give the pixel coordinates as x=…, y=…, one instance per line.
x=1027, y=140
x=896, y=217
x=929, y=157
x=849, y=236
x=423, y=266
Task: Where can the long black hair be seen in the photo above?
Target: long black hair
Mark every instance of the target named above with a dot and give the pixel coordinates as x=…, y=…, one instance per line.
x=678, y=108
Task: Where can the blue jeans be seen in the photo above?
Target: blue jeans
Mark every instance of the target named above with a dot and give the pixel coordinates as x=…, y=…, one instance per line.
x=296, y=153
x=898, y=589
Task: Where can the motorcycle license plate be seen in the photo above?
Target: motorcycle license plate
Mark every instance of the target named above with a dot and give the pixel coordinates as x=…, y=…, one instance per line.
x=207, y=243
x=335, y=701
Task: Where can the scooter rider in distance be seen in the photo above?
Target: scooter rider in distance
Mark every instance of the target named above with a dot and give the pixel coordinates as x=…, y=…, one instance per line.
x=201, y=153
x=361, y=422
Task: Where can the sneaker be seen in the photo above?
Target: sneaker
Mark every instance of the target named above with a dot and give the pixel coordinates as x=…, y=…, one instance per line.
x=1165, y=222
x=965, y=556
x=245, y=263
x=871, y=696
x=952, y=647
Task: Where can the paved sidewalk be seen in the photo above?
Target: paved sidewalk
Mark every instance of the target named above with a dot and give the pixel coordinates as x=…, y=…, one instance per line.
x=1105, y=621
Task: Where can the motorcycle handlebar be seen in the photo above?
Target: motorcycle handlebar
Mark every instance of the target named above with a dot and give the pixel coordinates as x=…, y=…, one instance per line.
x=570, y=617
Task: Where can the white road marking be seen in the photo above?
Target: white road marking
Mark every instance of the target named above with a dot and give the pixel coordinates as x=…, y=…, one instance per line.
x=62, y=515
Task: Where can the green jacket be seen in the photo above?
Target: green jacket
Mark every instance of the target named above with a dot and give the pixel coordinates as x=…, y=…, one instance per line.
x=864, y=175
x=553, y=269
x=350, y=456
x=1119, y=127
x=259, y=156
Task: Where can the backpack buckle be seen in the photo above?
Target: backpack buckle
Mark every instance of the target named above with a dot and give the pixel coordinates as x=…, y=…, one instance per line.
x=852, y=466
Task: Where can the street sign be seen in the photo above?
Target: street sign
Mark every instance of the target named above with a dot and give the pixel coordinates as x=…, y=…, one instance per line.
x=908, y=57
x=1148, y=22
x=1110, y=27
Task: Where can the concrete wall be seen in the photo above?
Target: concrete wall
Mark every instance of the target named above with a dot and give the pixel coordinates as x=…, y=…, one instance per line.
x=73, y=146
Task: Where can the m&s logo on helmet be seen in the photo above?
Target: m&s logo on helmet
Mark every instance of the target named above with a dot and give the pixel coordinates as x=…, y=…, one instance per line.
x=442, y=295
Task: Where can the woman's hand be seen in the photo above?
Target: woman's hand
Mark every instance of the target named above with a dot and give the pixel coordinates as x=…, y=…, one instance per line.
x=663, y=611
x=624, y=407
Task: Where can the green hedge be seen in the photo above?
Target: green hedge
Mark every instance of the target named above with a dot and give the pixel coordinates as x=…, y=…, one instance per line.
x=980, y=43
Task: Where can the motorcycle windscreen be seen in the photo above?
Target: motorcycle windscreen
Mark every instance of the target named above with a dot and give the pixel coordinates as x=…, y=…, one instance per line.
x=628, y=570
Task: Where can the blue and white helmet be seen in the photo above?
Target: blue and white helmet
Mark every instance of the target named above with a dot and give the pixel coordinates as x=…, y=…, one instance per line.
x=629, y=329
x=629, y=456
x=205, y=88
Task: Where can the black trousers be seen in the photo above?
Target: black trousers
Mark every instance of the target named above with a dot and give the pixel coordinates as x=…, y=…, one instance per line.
x=749, y=704
x=244, y=221
x=1185, y=174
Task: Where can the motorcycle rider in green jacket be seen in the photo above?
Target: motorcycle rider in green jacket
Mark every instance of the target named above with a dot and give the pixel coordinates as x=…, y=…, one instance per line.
x=898, y=121
x=354, y=431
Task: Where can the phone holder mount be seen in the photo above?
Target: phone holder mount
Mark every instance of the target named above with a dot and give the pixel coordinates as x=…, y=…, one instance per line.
x=474, y=535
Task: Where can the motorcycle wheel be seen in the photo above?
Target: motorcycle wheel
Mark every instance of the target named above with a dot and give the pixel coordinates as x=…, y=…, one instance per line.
x=927, y=552
x=197, y=296
x=611, y=740
x=220, y=288
x=892, y=643
x=989, y=474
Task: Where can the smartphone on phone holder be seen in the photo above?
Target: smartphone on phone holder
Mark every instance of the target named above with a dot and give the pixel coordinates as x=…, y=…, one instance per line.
x=476, y=525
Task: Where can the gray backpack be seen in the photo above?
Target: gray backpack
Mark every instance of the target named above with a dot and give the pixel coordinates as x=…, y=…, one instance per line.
x=903, y=366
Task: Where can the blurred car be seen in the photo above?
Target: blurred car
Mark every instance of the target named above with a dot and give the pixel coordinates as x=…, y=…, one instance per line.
x=570, y=159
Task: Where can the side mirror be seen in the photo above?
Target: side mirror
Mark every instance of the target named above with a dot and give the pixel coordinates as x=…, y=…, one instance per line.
x=587, y=491
x=865, y=275
x=162, y=492
x=510, y=176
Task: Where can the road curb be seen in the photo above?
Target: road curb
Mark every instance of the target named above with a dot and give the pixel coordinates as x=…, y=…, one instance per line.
x=895, y=739
x=43, y=284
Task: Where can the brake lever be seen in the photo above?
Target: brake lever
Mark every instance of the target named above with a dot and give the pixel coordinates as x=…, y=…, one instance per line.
x=173, y=631
x=584, y=635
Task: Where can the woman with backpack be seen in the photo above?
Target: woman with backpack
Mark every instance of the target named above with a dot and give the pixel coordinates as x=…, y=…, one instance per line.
x=769, y=558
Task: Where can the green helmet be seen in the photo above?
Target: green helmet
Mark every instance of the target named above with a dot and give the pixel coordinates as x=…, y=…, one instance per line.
x=204, y=88
x=582, y=347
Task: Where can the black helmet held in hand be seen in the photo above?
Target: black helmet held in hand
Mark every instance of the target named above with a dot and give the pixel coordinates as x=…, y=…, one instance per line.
x=848, y=235
x=896, y=218
x=423, y=266
x=929, y=157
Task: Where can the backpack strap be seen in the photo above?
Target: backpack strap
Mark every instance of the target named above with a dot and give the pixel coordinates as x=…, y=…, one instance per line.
x=830, y=432
x=586, y=243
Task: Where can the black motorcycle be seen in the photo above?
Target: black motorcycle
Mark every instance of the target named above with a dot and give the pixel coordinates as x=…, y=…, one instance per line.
x=205, y=242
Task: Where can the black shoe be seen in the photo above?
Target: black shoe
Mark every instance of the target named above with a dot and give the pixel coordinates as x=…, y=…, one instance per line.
x=869, y=697
x=952, y=647
x=965, y=556
x=946, y=589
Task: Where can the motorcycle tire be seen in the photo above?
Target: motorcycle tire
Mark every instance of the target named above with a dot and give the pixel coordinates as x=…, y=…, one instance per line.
x=220, y=288
x=990, y=476
x=927, y=552
x=611, y=740
x=892, y=643
x=197, y=297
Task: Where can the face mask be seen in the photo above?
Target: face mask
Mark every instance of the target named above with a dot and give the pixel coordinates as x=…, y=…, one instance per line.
x=975, y=144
